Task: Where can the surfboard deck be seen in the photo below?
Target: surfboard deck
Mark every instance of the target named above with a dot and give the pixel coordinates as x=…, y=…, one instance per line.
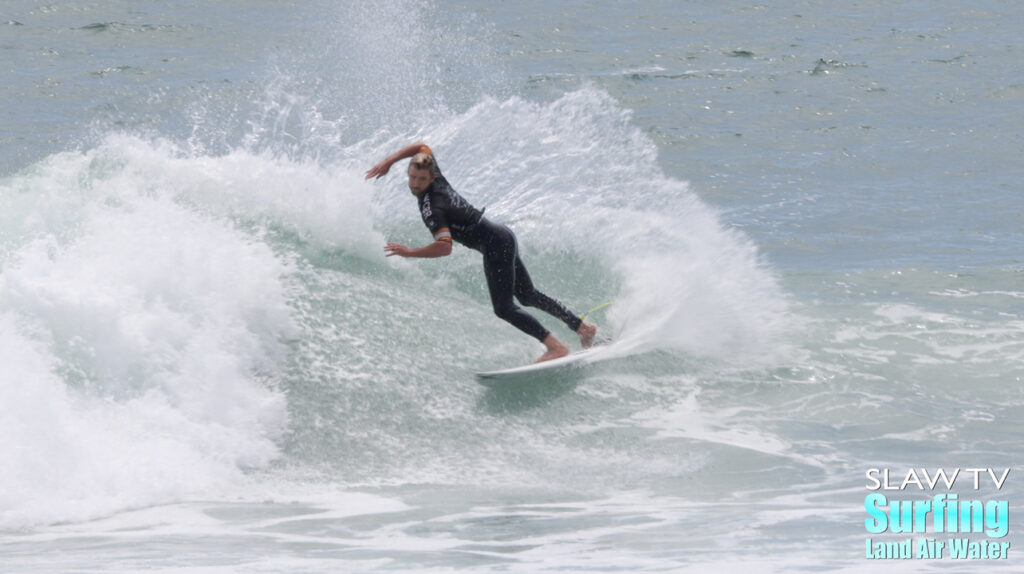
x=578, y=358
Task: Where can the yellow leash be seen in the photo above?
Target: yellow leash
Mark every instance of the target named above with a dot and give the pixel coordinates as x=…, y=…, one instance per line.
x=583, y=317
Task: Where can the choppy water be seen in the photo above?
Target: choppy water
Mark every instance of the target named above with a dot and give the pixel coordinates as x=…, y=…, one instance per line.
x=808, y=217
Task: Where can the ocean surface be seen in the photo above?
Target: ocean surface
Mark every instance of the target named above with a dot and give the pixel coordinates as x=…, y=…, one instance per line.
x=808, y=216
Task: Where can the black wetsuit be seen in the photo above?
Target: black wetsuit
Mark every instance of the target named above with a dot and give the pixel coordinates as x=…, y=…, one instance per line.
x=448, y=214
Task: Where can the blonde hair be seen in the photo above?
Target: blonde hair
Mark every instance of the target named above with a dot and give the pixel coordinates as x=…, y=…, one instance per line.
x=423, y=161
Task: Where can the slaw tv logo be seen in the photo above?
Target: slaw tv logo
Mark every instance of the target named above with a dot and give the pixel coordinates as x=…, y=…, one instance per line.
x=971, y=526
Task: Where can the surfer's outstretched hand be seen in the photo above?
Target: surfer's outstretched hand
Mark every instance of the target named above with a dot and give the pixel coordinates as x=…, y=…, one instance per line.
x=378, y=171
x=396, y=249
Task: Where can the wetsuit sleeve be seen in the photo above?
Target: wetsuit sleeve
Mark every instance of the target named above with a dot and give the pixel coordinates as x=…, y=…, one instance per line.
x=435, y=216
x=442, y=234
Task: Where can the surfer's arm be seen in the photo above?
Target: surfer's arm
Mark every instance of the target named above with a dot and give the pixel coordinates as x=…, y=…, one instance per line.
x=382, y=168
x=439, y=248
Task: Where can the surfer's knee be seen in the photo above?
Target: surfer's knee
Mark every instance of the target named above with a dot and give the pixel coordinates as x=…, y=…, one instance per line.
x=506, y=311
x=527, y=299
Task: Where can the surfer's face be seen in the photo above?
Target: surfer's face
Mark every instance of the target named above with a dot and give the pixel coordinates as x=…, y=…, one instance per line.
x=419, y=180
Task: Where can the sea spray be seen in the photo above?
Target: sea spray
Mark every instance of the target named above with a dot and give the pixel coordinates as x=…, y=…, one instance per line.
x=576, y=176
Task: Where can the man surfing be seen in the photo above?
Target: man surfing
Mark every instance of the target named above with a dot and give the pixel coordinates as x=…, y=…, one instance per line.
x=450, y=217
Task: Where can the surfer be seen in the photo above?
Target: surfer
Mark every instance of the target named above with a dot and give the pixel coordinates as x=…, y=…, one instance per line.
x=449, y=217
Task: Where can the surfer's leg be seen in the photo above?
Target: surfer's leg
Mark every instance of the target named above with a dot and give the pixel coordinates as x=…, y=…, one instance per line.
x=500, y=271
x=529, y=295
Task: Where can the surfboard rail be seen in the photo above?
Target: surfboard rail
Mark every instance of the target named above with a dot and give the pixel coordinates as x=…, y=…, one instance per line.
x=577, y=358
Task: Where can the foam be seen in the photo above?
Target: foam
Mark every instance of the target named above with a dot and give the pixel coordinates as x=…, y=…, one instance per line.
x=143, y=342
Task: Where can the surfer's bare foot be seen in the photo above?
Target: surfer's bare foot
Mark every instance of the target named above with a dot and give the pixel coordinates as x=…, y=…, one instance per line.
x=587, y=332
x=555, y=350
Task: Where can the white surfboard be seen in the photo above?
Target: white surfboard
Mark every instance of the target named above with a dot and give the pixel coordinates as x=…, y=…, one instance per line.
x=576, y=359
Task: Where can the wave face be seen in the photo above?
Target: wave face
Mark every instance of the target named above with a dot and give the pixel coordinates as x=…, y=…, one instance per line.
x=181, y=308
